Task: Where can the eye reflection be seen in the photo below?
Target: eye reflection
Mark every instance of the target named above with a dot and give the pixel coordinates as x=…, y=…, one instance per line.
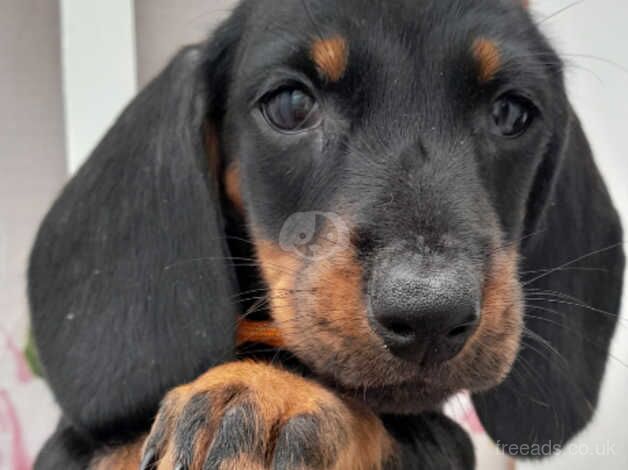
x=291, y=110
x=512, y=115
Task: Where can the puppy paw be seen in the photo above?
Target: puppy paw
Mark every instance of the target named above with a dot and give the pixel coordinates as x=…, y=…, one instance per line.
x=252, y=416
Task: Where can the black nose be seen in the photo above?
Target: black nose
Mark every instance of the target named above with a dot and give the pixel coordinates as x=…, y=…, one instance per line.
x=425, y=315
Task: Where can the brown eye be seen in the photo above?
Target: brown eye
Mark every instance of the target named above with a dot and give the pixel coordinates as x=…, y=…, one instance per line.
x=512, y=115
x=291, y=110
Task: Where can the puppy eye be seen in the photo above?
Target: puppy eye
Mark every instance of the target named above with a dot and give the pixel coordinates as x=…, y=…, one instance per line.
x=291, y=110
x=512, y=115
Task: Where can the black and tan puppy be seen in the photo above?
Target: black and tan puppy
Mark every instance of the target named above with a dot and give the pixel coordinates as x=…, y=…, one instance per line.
x=393, y=193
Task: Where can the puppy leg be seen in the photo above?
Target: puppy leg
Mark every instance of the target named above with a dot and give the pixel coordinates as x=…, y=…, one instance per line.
x=250, y=416
x=253, y=416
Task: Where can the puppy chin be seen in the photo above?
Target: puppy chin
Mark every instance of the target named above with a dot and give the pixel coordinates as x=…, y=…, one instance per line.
x=407, y=398
x=413, y=397
x=416, y=390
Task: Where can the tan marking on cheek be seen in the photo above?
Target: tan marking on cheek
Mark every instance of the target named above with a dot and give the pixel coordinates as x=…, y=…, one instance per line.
x=279, y=269
x=501, y=288
x=488, y=58
x=338, y=282
x=232, y=186
x=498, y=336
x=330, y=291
x=331, y=57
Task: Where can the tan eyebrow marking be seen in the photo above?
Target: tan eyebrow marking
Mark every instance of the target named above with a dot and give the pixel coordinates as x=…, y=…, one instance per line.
x=330, y=56
x=488, y=57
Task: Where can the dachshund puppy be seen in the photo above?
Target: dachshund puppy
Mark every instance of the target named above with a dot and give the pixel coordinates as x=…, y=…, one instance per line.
x=311, y=230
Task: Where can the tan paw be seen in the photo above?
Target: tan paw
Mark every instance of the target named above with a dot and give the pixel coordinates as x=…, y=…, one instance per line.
x=253, y=416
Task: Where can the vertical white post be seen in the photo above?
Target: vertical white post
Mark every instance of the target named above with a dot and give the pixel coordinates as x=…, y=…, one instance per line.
x=99, y=69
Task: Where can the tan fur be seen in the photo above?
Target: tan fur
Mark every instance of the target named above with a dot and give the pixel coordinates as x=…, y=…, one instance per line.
x=329, y=289
x=279, y=269
x=488, y=356
x=340, y=279
x=242, y=462
x=261, y=332
x=502, y=306
x=277, y=396
x=231, y=176
x=232, y=186
x=488, y=58
x=331, y=57
x=370, y=445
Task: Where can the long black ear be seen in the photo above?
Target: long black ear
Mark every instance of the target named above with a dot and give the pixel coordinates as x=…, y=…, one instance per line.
x=130, y=286
x=572, y=271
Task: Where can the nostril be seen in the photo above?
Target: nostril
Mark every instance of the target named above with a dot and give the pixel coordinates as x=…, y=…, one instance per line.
x=461, y=330
x=399, y=328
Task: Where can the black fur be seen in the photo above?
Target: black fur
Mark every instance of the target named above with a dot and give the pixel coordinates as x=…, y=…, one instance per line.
x=120, y=264
x=430, y=441
x=67, y=449
x=235, y=436
x=134, y=276
x=299, y=445
x=553, y=390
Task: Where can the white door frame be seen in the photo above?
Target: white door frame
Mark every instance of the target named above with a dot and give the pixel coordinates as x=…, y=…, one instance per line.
x=99, y=69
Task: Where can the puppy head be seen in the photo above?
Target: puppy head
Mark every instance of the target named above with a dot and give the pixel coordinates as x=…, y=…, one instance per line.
x=392, y=163
x=383, y=157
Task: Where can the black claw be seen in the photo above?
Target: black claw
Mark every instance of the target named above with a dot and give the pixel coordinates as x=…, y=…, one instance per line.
x=148, y=461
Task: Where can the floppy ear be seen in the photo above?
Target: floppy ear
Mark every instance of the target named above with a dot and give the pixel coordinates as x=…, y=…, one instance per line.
x=130, y=284
x=572, y=273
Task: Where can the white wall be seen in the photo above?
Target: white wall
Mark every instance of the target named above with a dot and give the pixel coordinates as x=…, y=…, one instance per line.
x=99, y=72
x=163, y=26
x=593, y=36
x=32, y=170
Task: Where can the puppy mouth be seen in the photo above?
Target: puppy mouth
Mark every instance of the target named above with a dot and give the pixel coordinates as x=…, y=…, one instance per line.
x=389, y=385
x=407, y=387
x=370, y=373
